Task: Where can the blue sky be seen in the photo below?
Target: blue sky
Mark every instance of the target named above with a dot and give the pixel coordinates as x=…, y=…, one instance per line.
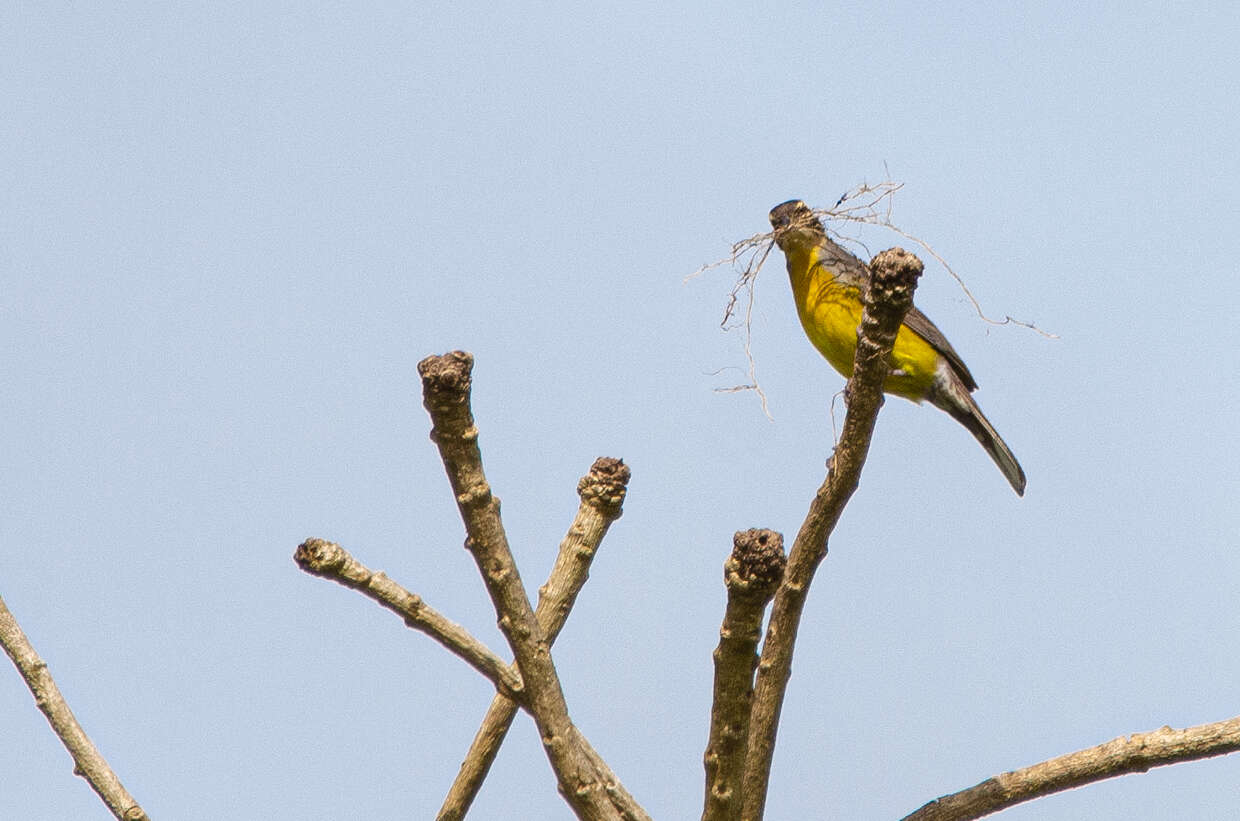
x=229, y=232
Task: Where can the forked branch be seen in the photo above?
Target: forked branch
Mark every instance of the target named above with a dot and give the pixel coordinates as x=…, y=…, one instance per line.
x=751, y=575
x=590, y=788
x=888, y=297
x=602, y=493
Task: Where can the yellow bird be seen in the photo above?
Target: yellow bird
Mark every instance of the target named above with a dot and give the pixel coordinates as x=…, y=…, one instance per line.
x=827, y=283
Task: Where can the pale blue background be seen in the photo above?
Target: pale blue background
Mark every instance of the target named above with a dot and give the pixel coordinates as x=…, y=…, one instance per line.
x=230, y=231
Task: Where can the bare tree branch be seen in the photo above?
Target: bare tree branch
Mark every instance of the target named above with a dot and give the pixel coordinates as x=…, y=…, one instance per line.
x=602, y=494
x=592, y=791
x=1126, y=754
x=751, y=575
x=329, y=560
x=888, y=297
x=87, y=762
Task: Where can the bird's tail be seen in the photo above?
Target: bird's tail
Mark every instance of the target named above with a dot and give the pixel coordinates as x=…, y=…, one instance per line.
x=950, y=394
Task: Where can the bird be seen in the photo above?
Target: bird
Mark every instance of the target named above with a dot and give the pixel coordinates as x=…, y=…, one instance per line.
x=827, y=284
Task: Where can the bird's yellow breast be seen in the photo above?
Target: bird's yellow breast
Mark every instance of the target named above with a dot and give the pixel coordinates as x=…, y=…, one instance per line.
x=830, y=312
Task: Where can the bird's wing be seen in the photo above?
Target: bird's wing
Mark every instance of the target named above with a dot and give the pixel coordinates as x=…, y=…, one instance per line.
x=921, y=325
x=852, y=270
x=841, y=263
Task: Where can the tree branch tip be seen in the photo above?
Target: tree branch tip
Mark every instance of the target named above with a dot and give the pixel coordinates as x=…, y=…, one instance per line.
x=894, y=273
x=449, y=365
x=613, y=467
x=757, y=563
x=446, y=378
x=320, y=557
x=605, y=485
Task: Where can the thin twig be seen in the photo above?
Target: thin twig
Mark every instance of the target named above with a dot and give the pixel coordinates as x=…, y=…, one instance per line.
x=329, y=560
x=87, y=762
x=888, y=297
x=868, y=212
x=1121, y=756
x=739, y=250
x=751, y=575
x=602, y=495
x=977, y=306
x=592, y=791
x=747, y=258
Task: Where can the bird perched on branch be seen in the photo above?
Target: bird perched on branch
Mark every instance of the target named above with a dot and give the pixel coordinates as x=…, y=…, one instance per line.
x=827, y=283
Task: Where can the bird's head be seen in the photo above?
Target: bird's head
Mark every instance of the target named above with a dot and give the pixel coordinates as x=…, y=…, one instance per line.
x=795, y=224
